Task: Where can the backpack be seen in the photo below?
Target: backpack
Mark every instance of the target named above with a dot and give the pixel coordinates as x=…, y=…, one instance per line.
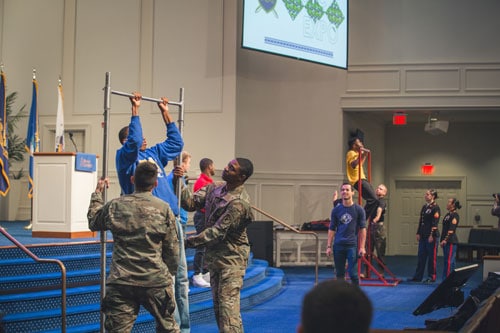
x=320, y=225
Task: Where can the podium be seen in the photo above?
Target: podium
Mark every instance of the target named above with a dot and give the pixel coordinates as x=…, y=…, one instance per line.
x=63, y=183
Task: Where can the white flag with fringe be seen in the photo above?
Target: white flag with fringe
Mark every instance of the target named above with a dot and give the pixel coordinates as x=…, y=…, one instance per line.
x=60, y=121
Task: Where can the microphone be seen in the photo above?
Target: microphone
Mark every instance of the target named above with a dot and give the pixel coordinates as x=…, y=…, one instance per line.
x=72, y=141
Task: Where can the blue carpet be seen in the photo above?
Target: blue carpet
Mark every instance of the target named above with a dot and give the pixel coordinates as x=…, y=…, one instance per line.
x=393, y=305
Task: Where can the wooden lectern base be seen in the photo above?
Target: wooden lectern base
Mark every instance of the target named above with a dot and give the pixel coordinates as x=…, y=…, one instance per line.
x=53, y=234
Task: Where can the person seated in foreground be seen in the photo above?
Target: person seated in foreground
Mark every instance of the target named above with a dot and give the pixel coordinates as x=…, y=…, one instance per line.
x=335, y=306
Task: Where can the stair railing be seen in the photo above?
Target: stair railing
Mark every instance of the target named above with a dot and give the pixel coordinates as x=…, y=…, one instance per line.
x=51, y=261
x=289, y=227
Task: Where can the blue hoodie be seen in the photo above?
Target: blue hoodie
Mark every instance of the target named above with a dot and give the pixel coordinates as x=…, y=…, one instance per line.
x=129, y=155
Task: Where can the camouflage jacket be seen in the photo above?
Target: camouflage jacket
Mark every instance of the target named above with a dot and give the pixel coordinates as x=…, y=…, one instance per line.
x=145, y=246
x=227, y=214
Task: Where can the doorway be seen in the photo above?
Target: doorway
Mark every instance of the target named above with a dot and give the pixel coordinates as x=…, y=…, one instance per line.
x=406, y=200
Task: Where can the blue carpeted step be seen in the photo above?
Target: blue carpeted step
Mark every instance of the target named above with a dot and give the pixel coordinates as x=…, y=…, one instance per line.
x=250, y=296
x=26, y=266
x=54, y=250
x=254, y=274
x=77, y=314
x=39, y=311
x=143, y=324
x=264, y=290
x=47, y=320
x=45, y=280
x=50, y=299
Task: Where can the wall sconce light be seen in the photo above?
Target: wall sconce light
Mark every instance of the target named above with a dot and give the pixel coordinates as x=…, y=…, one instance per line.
x=427, y=169
x=399, y=118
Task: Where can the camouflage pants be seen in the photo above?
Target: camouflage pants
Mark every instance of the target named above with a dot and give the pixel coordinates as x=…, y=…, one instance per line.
x=378, y=239
x=226, y=287
x=122, y=302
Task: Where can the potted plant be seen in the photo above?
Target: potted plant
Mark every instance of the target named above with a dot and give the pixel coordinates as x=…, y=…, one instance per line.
x=16, y=149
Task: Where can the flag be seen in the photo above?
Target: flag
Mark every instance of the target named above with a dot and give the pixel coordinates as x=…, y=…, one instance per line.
x=60, y=121
x=4, y=153
x=32, y=138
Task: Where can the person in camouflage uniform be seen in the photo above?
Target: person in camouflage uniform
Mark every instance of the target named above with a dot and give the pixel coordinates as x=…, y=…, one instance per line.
x=145, y=253
x=228, y=212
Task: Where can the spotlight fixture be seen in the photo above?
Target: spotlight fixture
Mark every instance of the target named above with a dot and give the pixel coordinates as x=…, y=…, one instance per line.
x=435, y=126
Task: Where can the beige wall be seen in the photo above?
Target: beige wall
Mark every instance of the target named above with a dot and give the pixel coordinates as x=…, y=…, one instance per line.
x=155, y=47
x=290, y=117
x=416, y=32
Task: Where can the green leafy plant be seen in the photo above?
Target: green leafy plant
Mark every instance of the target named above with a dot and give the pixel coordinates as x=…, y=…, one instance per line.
x=16, y=144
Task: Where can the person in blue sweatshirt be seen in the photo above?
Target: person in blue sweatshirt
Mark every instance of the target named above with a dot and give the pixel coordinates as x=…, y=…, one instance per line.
x=134, y=149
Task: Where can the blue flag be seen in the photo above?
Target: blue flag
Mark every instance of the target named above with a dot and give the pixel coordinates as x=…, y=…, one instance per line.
x=4, y=153
x=32, y=138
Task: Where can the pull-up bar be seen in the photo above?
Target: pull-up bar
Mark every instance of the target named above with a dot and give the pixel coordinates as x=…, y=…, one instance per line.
x=149, y=99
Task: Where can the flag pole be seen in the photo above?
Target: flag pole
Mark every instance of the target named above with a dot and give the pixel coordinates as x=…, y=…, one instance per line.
x=30, y=225
x=4, y=126
x=59, y=137
x=4, y=152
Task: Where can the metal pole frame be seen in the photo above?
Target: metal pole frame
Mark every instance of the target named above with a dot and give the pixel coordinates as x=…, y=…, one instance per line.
x=380, y=280
x=151, y=99
x=180, y=122
x=107, y=107
x=105, y=151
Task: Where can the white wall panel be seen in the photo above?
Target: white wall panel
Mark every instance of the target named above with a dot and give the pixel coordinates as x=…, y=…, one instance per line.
x=32, y=39
x=107, y=39
x=315, y=201
x=188, y=52
x=433, y=80
x=279, y=201
x=483, y=79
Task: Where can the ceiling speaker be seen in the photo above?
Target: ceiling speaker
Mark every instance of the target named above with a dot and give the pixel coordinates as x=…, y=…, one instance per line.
x=436, y=127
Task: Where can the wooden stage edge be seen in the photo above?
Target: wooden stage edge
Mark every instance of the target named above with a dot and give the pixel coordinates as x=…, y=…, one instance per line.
x=52, y=234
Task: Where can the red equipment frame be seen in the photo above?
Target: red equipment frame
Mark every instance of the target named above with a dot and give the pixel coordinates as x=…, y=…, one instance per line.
x=379, y=279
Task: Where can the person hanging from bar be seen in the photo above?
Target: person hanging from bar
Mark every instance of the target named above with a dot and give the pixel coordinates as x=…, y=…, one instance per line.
x=355, y=158
x=134, y=150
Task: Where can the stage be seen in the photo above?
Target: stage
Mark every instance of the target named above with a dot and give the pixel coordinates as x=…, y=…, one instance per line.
x=17, y=230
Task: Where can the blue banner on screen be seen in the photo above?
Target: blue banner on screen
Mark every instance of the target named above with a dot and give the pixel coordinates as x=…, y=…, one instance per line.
x=85, y=162
x=312, y=30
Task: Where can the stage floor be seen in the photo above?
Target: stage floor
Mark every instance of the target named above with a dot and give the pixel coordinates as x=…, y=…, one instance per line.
x=16, y=229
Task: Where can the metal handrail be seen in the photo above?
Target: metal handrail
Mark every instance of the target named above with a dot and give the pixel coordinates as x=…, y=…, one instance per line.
x=289, y=227
x=52, y=261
